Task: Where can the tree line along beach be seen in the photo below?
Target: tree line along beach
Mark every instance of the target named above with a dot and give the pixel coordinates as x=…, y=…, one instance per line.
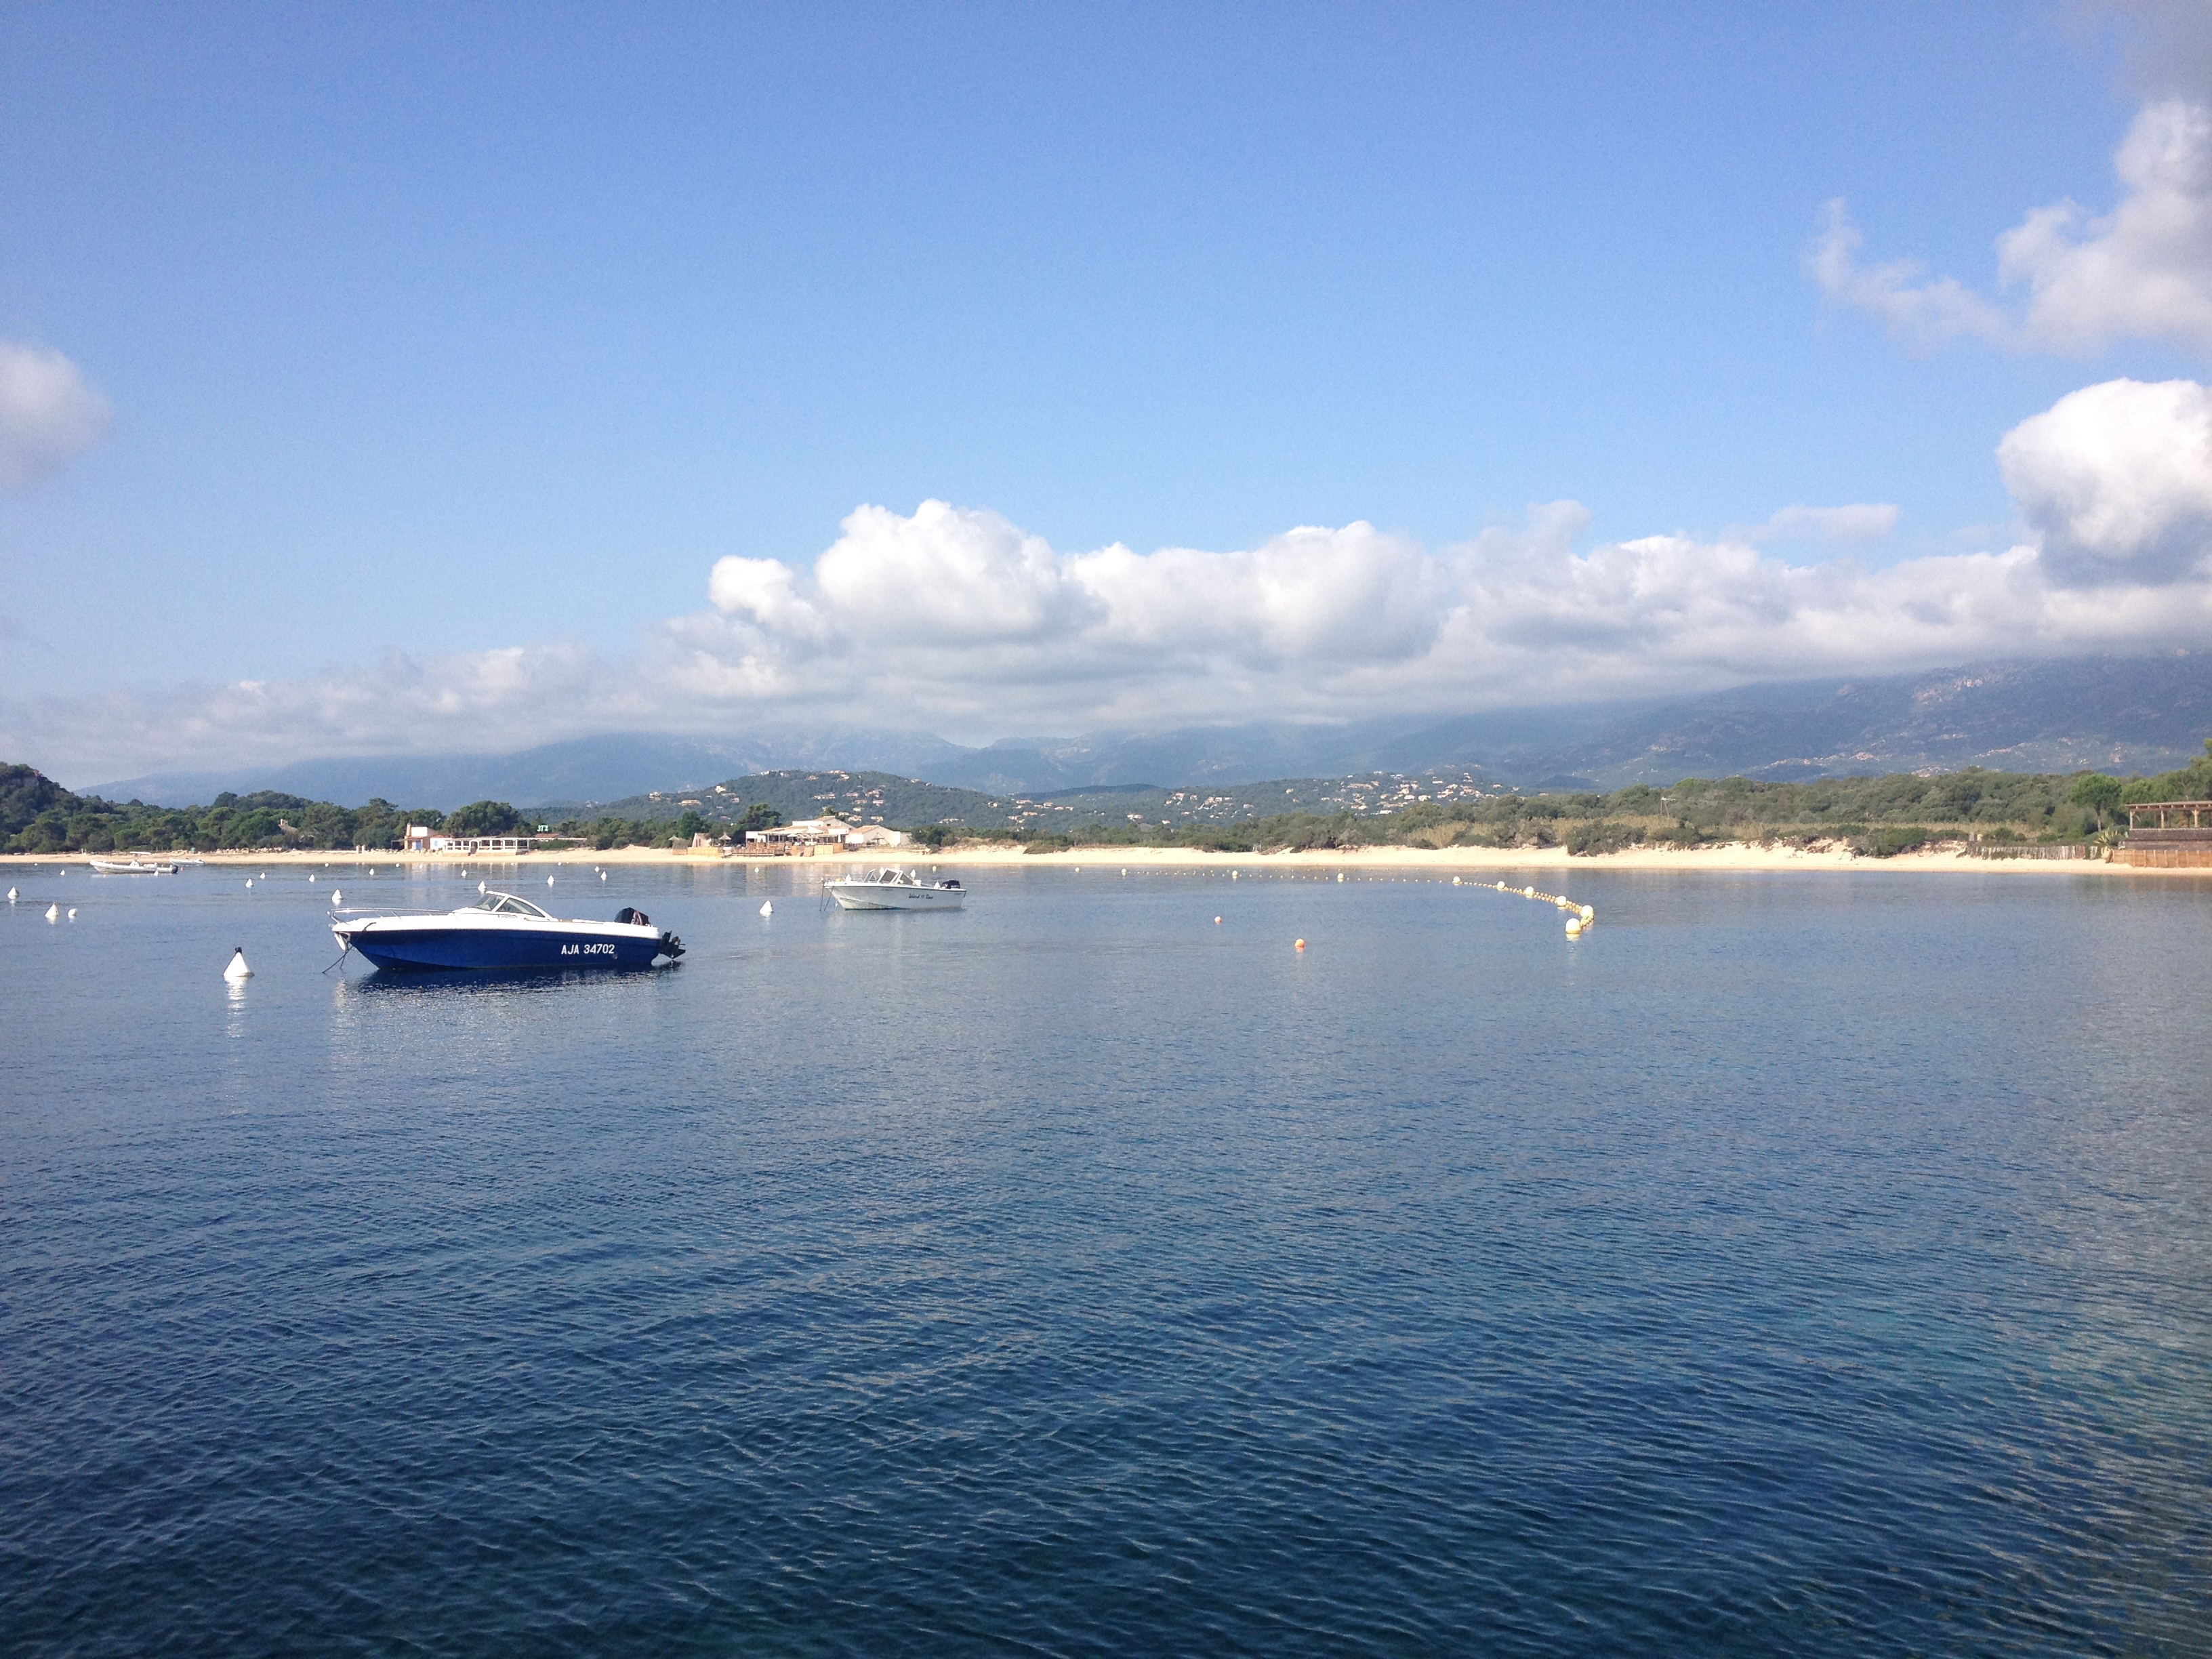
x=1973, y=819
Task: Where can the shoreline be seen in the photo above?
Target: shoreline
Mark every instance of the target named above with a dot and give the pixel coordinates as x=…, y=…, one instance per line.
x=1732, y=857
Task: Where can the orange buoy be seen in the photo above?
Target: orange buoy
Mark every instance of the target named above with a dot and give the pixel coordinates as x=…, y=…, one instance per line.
x=1302, y=944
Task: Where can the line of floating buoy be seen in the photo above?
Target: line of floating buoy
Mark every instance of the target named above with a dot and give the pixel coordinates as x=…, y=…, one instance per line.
x=1580, y=915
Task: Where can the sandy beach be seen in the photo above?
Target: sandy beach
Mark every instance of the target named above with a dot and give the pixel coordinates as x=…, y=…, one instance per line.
x=1728, y=858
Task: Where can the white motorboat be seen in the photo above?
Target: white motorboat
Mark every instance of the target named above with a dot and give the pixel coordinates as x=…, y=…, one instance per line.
x=891, y=889
x=132, y=867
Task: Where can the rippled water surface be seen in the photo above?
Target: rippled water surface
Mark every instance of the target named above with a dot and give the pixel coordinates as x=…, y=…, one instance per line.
x=1810, y=1264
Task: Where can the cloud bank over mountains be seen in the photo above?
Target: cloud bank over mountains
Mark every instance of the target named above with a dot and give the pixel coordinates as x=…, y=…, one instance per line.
x=958, y=620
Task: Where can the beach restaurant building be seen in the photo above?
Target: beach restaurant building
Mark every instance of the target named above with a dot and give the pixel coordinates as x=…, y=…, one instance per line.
x=808, y=834
x=420, y=840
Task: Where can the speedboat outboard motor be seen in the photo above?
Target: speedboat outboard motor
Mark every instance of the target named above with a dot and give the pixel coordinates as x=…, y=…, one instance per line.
x=670, y=946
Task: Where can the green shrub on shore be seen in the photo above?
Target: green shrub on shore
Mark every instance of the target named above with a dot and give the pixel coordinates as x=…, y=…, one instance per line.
x=1889, y=841
x=1601, y=835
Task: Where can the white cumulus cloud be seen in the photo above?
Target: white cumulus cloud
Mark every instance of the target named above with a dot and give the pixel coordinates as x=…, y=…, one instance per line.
x=1920, y=311
x=2117, y=479
x=1861, y=521
x=2142, y=271
x=47, y=413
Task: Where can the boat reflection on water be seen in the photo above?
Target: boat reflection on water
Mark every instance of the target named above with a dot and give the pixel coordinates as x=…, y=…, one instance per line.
x=469, y=983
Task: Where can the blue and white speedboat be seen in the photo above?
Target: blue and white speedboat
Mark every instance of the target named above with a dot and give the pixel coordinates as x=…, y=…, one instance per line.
x=504, y=932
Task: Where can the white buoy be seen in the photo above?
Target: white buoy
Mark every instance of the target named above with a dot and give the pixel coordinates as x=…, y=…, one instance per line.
x=1589, y=915
x=249, y=884
x=311, y=878
x=1528, y=892
x=54, y=913
x=480, y=886
x=602, y=875
x=11, y=895
x=548, y=881
x=1454, y=881
x=768, y=907
x=1574, y=926
x=336, y=897
x=238, y=969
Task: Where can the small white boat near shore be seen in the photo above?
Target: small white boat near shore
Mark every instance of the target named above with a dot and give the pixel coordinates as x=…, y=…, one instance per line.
x=890, y=889
x=132, y=867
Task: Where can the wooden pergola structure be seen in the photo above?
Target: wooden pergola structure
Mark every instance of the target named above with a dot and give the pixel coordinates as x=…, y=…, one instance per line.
x=2196, y=810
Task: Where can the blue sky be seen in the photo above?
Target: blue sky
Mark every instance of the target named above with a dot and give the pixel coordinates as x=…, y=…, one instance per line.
x=442, y=331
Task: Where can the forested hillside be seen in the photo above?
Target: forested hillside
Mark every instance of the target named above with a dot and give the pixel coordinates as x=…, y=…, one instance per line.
x=36, y=815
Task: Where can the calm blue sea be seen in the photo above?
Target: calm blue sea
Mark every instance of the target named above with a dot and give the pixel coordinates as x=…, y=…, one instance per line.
x=1807, y=1264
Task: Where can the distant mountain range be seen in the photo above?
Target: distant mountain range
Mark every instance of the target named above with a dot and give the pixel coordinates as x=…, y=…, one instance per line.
x=2115, y=715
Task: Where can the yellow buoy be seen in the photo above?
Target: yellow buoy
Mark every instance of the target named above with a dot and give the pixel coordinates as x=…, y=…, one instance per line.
x=1589, y=915
x=1574, y=926
x=1302, y=944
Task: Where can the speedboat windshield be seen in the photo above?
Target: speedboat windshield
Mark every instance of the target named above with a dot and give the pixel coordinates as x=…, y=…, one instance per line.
x=507, y=904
